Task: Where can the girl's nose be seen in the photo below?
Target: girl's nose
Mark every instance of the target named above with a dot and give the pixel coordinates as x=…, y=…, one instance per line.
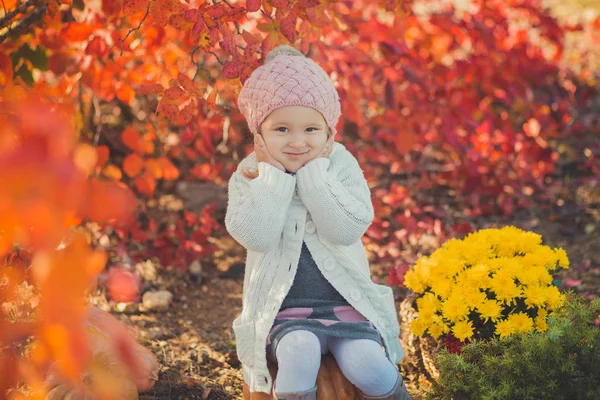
x=297, y=140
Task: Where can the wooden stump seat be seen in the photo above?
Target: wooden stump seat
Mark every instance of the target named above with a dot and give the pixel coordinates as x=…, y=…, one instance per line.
x=331, y=384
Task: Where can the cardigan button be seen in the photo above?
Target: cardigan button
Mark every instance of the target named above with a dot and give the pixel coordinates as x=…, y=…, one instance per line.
x=355, y=295
x=310, y=227
x=329, y=264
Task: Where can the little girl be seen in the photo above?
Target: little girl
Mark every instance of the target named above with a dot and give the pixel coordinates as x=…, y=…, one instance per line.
x=300, y=204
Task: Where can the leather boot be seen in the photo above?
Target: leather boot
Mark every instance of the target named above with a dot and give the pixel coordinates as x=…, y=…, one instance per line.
x=397, y=393
x=310, y=394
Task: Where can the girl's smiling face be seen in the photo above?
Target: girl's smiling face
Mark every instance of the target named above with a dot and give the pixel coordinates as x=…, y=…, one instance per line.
x=294, y=135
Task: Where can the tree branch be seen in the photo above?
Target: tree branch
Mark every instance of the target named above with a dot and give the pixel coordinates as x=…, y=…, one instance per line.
x=134, y=29
x=10, y=15
x=26, y=22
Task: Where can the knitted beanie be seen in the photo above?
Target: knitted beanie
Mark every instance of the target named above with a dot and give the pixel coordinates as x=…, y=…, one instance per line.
x=288, y=78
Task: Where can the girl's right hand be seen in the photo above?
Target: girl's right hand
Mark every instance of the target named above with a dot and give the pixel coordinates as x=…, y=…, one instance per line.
x=262, y=153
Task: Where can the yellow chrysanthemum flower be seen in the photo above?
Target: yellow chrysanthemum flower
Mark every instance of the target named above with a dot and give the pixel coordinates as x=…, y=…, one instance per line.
x=412, y=281
x=438, y=329
x=561, y=255
x=490, y=309
x=504, y=328
x=554, y=298
x=535, y=296
x=417, y=327
x=521, y=322
x=455, y=308
x=484, y=272
x=541, y=324
x=463, y=330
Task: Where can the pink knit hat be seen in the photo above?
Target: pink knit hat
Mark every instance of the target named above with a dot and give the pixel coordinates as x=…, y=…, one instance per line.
x=288, y=78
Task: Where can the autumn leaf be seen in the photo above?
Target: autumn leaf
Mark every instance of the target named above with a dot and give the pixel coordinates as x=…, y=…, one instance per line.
x=309, y=3
x=150, y=88
x=6, y=70
x=108, y=201
x=77, y=32
x=269, y=43
x=97, y=47
x=132, y=139
x=133, y=165
x=288, y=27
x=405, y=141
x=112, y=8
x=169, y=171
x=145, y=184
x=233, y=69
x=131, y=7
x=253, y=5
x=113, y=172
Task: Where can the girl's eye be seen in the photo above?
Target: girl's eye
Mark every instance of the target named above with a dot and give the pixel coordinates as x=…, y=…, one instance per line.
x=312, y=129
x=281, y=129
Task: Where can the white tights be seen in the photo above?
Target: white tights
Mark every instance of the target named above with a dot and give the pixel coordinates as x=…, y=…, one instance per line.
x=362, y=361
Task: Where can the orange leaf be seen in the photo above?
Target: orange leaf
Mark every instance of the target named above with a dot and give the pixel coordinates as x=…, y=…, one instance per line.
x=133, y=165
x=113, y=172
x=131, y=7
x=174, y=94
x=147, y=88
x=405, y=141
x=145, y=183
x=103, y=153
x=77, y=32
x=85, y=157
x=132, y=139
x=269, y=43
x=108, y=201
x=6, y=70
x=186, y=82
x=153, y=167
x=169, y=171
x=125, y=93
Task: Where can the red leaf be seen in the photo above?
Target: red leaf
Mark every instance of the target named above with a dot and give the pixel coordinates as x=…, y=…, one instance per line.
x=6, y=70
x=186, y=82
x=309, y=3
x=233, y=69
x=288, y=27
x=192, y=15
x=175, y=94
x=278, y=3
x=147, y=88
x=112, y=8
x=97, y=47
x=77, y=32
x=253, y=5
x=131, y=7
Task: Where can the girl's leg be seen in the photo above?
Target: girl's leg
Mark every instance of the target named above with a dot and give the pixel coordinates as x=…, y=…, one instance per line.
x=364, y=363
x=298, y=359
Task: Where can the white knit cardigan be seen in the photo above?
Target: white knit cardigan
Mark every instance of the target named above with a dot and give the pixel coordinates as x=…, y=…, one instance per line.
x=327, y=204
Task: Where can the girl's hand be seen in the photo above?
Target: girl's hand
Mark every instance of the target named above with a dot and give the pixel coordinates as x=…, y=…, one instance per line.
x=262, y=153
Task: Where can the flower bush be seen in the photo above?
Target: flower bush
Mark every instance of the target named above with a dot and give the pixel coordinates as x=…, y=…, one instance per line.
x=493, y=283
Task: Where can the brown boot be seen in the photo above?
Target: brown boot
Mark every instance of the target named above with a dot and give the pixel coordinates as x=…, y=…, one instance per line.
x=310, y=394
x=397, y=393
